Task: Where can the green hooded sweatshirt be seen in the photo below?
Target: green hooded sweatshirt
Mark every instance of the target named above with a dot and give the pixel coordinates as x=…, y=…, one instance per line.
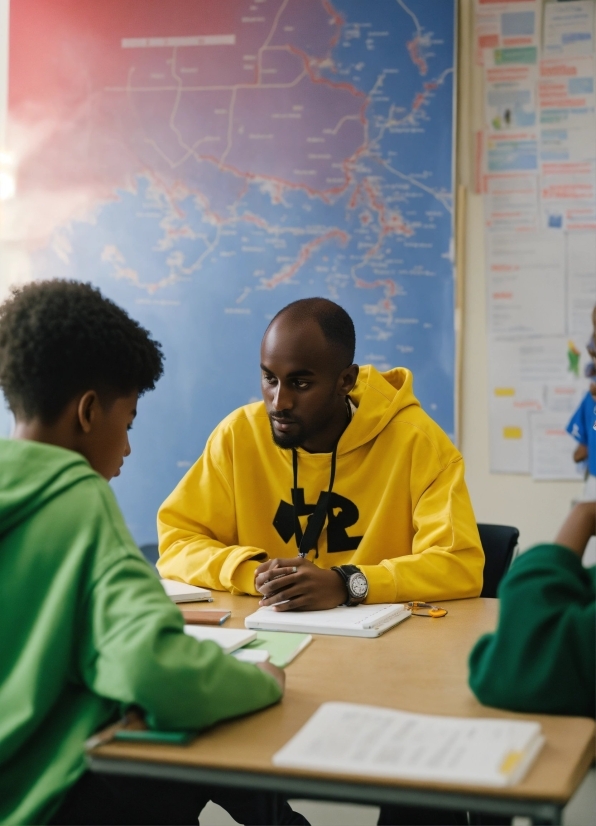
x=542, y=657
x=86, y=627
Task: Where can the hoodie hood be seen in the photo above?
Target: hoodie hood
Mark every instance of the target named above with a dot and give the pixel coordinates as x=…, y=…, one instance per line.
x=379, y=397
x=31, y=474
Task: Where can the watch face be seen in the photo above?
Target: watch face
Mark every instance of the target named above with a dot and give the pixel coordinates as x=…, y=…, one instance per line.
x=358, y=585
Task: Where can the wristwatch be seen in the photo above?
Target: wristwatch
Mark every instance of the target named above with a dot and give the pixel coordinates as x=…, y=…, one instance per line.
x=355, y=582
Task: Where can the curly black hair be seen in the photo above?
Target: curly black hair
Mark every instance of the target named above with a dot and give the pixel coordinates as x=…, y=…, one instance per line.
x=59, y=338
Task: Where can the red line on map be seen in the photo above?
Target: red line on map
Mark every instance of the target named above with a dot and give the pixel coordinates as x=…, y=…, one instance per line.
x=316, y=78
x=303, y=256
x=414, y=52
x=388, y=283
x=390, y=221
x=324, y=194
x=418, y=101
x=336, y=19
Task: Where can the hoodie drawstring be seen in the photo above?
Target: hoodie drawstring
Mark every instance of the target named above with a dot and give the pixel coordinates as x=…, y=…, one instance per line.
x=307, y=541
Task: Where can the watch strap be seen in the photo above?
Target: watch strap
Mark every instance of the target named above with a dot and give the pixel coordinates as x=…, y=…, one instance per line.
x=345, y=572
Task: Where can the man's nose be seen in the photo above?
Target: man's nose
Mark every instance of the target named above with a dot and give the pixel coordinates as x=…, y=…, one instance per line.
x=282, y=398
x=127, y=449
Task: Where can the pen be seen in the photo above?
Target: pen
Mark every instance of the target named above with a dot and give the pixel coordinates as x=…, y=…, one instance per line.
x=120, y=731
x=108, y=734
x=135, y=735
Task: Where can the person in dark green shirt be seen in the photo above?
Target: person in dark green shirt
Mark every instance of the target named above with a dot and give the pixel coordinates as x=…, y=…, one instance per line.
x=86, y=626
x=542, y=657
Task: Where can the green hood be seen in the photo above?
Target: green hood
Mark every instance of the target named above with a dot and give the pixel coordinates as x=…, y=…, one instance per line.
x=31, y=474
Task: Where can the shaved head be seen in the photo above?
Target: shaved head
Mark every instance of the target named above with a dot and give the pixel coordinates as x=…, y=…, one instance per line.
x=336, y=325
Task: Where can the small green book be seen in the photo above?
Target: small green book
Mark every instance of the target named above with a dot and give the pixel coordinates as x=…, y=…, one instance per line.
x=282, y=646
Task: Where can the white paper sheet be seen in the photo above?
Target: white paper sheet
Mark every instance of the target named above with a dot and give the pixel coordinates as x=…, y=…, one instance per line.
x=532, y=361
x=365, y=740
x=511, y=202
x=581, y=280
x=528, y=376
x=526, y=283
x=511, y=152
x=509, y=93
x=568, y=195
x=552, y=448
x=569, y=28
x=509, y=439
x=508, y=23
x=558, y=143
x=229, y=639
x=567, y=105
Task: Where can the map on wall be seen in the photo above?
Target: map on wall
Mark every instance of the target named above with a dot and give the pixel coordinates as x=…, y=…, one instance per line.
x=205, y=163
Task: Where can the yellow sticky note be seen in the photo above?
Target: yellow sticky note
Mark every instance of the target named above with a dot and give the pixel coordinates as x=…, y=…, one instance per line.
x=504, y=391
x=512, y=433
x=510, y=762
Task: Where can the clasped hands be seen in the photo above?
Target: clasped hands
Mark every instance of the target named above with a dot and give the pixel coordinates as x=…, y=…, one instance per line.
x=298, y=585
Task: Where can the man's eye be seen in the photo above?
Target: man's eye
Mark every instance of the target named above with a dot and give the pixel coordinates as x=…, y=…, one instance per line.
x=269, y=379
x=129, y=427
x=301, y=385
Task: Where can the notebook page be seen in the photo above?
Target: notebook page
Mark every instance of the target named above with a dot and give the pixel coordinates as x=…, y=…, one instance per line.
x=357, y=616
x=364, y=740
x=227, y=638
x=175, y=590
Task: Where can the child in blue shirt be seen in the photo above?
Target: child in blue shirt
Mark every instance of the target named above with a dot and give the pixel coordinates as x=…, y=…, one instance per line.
x=583, y=422
x=581, y=427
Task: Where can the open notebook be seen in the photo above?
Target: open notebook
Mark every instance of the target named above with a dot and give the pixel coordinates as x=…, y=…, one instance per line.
x=181, y=592
x=382, y=742
x=357, y=621
x=229, y=639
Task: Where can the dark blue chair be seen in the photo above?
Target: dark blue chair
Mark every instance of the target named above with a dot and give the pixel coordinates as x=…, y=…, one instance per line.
x=498, y=543
x=151, y=554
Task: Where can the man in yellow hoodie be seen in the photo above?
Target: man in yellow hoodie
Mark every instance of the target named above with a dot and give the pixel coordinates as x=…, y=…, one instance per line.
x=337, y=489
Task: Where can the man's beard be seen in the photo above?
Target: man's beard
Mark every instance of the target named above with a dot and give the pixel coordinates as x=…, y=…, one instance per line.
x=287, y=441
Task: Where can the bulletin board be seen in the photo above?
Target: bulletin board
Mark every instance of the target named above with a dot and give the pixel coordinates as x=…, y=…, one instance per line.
x=536, y=165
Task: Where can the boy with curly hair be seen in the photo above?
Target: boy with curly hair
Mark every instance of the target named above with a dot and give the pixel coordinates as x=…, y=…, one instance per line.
x=86, y=626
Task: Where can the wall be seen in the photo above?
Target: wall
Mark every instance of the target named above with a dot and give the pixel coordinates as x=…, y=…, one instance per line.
x=536, y=508
x=5, y=418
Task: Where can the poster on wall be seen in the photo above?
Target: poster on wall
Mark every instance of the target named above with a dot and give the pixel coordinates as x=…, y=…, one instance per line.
x=206, y=163
x=539, y=184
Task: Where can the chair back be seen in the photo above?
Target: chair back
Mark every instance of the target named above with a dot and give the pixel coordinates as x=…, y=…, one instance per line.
x=498, y=544
x=150, y=552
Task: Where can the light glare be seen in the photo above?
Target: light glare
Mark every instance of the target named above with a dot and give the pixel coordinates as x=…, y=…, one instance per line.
x=8, y=185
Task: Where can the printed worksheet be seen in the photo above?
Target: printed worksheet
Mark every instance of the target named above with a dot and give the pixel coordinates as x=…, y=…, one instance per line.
x=552, y=449
x=505, y=24
x=569, y=28
x=526, y=283
x=362, y=739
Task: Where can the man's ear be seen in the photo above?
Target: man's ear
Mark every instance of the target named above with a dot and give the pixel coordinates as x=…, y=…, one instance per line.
x=87, y=410
x=347, y=379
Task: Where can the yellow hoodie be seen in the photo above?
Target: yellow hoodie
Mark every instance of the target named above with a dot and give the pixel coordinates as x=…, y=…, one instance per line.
x=399, y=510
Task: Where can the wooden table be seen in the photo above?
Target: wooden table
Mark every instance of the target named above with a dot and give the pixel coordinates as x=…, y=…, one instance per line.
x=420, y=666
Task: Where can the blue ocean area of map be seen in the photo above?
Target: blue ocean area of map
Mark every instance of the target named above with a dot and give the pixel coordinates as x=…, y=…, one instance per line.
x=205, y=259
